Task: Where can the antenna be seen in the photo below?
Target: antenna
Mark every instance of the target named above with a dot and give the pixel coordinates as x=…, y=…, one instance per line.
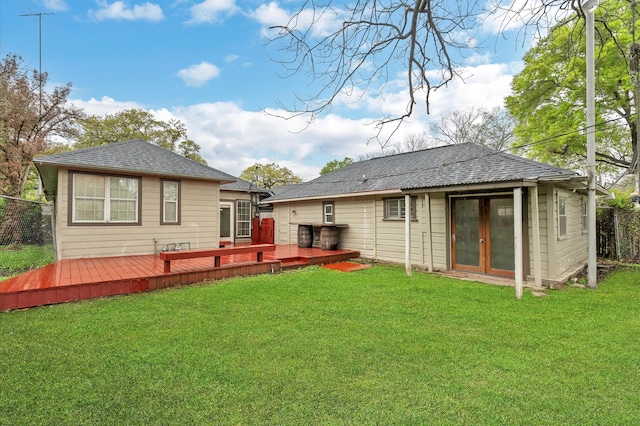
x=39, y=15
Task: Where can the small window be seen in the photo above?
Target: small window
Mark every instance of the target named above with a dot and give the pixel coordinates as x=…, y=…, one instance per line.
x=243, y=218
x=170, y=202
x=328, y=213
x=104, y=199
x=585, y=222
x=562, y=216
x=394, y=209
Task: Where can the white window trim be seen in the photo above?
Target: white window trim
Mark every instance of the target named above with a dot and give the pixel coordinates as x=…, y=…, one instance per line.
x=329, y=214
x=176, y=202
x=232, y=219
x=238, y=221
x=106, y=199
x=401, y=209
x=562, y=236
x=585, y=216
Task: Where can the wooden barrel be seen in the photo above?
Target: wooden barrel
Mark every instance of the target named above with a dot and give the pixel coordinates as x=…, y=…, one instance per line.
x=305, y=236
x=329, y=238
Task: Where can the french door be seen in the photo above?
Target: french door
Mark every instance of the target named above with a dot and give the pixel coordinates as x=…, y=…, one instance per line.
x=482, y=235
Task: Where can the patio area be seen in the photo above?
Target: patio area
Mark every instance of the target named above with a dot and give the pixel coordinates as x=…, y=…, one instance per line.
x=80, y=279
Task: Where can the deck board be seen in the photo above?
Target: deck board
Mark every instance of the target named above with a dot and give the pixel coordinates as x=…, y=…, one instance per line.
x=78, y=279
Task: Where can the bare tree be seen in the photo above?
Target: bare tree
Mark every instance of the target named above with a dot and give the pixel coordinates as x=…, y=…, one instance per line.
x=28, y=117
x=429, y=39
x=491, y=127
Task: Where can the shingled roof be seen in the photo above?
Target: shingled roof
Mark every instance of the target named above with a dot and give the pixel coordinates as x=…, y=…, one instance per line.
x=130, y=157
x=441, y=167
x=245, y=186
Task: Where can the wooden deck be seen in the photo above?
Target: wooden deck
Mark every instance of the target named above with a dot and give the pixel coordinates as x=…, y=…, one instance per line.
x=79, y=279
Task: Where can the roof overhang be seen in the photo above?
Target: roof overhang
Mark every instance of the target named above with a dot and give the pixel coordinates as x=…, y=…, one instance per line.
x=473, y=187
x=335, y=196
x=49, y=177
x=574, y=183
x=49, y=174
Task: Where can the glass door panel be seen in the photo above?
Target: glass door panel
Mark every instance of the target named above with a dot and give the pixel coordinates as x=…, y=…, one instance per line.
x=501, y=251
x=467, y=232
x=225, y=222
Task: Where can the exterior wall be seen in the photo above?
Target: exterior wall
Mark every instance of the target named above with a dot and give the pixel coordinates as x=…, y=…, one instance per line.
x=357, y=212
x=571, y=250
x=390, y=235
x=440, y=231
x=383, y=240
x=368, y=231
x=198, y=223
x=544, y=216
x=560, y=256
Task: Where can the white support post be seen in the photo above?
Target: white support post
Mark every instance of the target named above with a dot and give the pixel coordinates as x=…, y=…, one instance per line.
x=427, y=203
x=517, y=239
x=535, y=224
x=407, y=233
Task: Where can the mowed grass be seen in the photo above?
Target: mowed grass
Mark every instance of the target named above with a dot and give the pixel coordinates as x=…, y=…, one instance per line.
x=14, y=261
x=316, y=346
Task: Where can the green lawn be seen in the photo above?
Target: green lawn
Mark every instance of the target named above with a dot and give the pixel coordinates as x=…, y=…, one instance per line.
x=15, y=261
x=316, y=346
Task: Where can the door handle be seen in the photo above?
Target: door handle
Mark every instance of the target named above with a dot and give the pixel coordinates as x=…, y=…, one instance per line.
x=482, y=240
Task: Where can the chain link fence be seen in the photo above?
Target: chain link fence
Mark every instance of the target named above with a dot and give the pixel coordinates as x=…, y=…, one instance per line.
x=618, y=234
x=26, y=237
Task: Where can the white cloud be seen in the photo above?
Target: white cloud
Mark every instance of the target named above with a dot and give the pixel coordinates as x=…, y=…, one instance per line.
x=57, y=5
x=121, y=11
x=103, y=106
x=232, y=138
x=198, y=75
x=232, y=57
x=308, y=19
x=514, y=15
x=211, y=11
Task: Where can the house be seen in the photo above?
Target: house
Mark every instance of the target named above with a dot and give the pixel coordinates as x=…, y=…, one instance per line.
x=134, y=198
x=471, y=209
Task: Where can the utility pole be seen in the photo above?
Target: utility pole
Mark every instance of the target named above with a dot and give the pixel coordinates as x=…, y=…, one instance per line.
x=39, y=15
x=634, y=55
x=592, y=265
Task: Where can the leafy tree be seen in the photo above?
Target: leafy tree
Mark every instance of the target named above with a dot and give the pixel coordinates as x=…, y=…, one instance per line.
x=269, y=175
x=549, y=94
x=136, y=124
x=352, y=48
x=29, y=117
x=492, y=127
x=334, y=165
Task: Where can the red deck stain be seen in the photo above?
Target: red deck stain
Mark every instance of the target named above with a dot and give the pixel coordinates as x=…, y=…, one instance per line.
x=79, y=279
x=346, y=266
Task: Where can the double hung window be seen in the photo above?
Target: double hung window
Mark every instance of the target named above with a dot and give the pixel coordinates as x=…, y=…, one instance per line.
x=170, y=202
x=243, y=218
x=327, y=216
x=562, y=216
x=105, y=199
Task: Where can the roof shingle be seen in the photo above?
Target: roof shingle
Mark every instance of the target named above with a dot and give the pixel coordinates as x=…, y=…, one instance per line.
x=446, y=166
x=135, y=156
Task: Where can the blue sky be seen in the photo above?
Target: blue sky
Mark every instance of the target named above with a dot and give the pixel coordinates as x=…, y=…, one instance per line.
x=208, y=64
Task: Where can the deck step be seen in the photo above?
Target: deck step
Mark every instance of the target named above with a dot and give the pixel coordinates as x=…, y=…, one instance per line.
x=294, y=262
